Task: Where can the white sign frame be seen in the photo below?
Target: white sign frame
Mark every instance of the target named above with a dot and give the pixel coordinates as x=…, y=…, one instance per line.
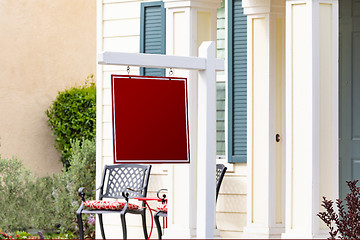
x=207, y=64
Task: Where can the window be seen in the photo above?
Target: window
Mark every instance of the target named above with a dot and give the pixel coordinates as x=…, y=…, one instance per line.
x=220, y=85
x=152, y=33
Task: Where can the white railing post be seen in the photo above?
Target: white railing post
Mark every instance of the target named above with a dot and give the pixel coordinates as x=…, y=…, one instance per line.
x=206, y=143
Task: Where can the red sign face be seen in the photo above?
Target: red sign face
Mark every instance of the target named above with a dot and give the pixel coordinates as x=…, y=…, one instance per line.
x=150, y=119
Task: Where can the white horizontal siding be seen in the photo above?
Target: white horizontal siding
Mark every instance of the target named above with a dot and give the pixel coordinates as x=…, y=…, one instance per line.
x=232, y=203
x=231, y=221
x=107, y=131
x=107, y=148
x=108, y=160
x=234, y=184
x=107, y=111
x=158, y=181
x=107, y=79
x=129, y=44
x=106, y=97
x=121, y=10
x=122, y=28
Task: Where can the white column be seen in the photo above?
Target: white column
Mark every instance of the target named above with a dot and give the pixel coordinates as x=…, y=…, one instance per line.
x=266, y=46
x=311, y=113
x=188, y=24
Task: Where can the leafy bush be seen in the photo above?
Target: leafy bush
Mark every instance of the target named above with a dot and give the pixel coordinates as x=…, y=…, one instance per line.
x=41, y=212
x=345, y=222
x=15, y=185
x=48, y=202
x=73, y=116
x=81, y=173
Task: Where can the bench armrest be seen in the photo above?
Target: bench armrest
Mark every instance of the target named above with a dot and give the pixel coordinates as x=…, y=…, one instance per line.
x=163, y=198
x=81, y=192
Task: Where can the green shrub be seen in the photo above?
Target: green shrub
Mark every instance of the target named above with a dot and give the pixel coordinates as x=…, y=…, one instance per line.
x=47, y=203
x=81, y=173
x=73, y=116
x=83, y=164
x=15, y=185
x=41, y=212
x=26, y=201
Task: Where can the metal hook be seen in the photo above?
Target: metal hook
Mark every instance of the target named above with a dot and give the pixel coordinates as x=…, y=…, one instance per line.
x=128, y=70
x=171, y=72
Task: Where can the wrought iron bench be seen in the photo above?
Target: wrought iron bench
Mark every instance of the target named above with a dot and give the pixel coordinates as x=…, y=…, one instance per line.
x=220, y=173
x=121, y=181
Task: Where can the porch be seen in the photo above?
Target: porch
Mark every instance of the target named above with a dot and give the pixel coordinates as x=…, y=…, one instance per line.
x=292, y=91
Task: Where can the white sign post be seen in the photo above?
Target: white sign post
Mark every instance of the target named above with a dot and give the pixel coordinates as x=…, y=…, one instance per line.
x=207, y=65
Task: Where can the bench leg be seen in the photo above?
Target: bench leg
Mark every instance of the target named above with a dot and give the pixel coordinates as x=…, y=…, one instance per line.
x=101, y=226
x=157, y=222
x=80, y=225
x=123, y=223
x=143, y=216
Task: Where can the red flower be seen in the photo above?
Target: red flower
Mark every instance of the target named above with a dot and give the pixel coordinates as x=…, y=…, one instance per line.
x=17, y=235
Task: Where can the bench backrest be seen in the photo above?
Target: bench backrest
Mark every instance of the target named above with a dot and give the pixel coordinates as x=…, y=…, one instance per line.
x=117, y=178
x=220, y=173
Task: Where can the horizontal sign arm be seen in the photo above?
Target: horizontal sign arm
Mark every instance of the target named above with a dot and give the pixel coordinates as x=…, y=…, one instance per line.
x=156, y=61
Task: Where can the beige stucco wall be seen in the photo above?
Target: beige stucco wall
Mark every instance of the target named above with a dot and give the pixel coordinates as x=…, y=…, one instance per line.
x=45, y=47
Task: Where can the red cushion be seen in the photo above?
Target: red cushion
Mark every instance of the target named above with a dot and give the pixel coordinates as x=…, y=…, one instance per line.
x=163, y=207
x=109, y=205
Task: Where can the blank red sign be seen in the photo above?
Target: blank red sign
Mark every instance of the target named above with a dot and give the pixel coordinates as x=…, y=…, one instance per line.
x=150, y=119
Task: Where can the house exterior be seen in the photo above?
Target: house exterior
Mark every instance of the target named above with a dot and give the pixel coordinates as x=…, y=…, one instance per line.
x=287, y=121
x=46, y=46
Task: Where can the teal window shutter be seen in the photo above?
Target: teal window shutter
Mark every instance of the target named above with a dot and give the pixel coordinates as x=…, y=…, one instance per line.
x=152, y=33
x=237, y=81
